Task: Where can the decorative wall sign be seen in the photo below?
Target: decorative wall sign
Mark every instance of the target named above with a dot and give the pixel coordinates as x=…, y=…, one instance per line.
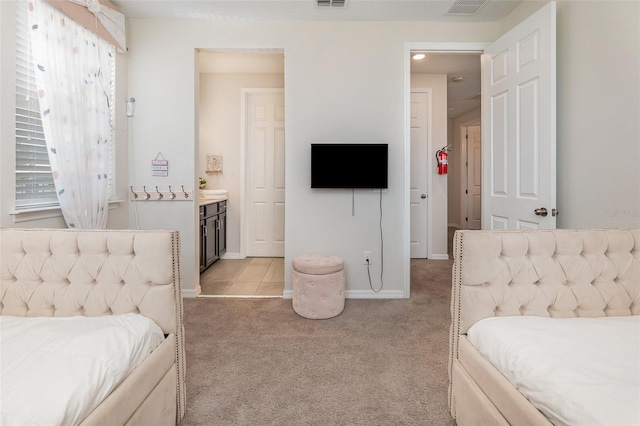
x=214, y=164
x=159, y=166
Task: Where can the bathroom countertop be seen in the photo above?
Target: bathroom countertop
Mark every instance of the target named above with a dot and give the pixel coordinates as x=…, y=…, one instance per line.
x=205, y=201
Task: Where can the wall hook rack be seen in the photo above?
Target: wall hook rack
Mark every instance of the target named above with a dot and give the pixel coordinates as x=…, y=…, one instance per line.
x=160, y=195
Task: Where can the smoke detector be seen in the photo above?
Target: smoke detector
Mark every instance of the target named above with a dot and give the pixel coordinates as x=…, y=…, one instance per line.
x=466, y=7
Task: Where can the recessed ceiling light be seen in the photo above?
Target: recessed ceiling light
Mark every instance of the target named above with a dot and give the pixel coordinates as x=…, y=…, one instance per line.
x=419, y=56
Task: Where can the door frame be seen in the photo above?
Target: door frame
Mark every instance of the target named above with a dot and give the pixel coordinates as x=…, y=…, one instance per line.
x=464, y=157
x=440, y=47
x=244, y=98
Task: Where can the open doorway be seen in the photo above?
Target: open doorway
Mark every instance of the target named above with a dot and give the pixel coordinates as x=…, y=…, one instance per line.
x=443, y=191
x=509, y=200
x=242, y=127
x=453, y=83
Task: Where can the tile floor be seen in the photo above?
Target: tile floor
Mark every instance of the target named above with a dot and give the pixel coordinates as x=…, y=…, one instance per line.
x=250, y=277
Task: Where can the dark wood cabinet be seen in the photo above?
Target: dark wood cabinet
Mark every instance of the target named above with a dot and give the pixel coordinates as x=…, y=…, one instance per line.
x=213, y=233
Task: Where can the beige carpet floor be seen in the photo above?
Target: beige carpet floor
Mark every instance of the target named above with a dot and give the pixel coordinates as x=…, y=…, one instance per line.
x=381, y=362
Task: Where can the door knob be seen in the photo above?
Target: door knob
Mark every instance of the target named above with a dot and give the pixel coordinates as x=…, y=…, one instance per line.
x=423, y=195
x=542, y=211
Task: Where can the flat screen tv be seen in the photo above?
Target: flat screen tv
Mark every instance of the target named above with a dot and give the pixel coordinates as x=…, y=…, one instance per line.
x=348, y=165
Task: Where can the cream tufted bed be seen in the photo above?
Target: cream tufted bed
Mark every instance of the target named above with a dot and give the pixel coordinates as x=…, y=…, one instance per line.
x=64, y=273
x=556, y=274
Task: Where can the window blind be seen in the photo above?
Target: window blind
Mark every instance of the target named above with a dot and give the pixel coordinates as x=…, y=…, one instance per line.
x=34, y=183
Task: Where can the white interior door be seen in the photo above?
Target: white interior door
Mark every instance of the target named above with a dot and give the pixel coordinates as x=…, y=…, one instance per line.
x=474, y=176
x=418, y=201
x=519, y=126
x=418, y=181
x=265, y=174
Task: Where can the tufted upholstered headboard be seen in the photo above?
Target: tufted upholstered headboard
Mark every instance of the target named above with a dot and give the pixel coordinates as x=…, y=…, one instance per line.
x=550, y=273
x=66, y=272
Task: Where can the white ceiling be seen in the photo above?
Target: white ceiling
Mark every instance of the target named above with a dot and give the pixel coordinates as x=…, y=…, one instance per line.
x=306, y=10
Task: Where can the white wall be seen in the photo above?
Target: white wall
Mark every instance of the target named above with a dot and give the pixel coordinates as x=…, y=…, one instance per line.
x=439, y=183
x=598, y=114
x=220, y=134
x=344, y=82
x=118, y=216
x=520, y=13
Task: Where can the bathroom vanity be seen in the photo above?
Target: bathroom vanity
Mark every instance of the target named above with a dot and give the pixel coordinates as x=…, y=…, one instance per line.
x=213, y=231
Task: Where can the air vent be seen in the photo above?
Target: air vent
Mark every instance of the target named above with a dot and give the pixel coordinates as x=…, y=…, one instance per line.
x=331, y=3
x=466, y=7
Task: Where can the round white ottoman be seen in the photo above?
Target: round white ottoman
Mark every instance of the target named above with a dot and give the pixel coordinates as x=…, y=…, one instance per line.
x=318, y=286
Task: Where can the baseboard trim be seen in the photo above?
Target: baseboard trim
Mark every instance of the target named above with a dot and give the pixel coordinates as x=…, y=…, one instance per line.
x=439, y=257
x=231, y=256
x=369, y=294
x=190, y=293
x=361, y=294
x=234, y=296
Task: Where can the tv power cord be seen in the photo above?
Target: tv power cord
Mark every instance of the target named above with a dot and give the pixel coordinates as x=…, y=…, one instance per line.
x=369, y=275
x=381, y=255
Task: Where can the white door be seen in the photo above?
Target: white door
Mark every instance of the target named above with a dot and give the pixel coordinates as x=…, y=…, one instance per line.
x=474, y=176
x=265, y=174
x=418, y=177
x=519, y=126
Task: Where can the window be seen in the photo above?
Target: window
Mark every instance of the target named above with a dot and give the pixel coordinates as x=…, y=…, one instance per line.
x=34, y=183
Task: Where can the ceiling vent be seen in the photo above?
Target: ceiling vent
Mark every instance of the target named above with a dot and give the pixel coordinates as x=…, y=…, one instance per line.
x=331, y=3
x=466, y=7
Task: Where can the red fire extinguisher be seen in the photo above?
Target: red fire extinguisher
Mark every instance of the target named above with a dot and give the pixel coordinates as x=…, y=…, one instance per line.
x=442, y=158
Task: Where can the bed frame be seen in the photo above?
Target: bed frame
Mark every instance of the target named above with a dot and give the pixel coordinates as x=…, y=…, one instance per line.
x=551, y=273
x=64, y=272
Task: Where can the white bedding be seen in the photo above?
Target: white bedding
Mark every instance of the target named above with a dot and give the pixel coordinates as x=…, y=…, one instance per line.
x=576, y=371
x=55, y=371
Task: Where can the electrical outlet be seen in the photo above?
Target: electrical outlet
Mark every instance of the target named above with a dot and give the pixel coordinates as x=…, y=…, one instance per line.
x=366, y=258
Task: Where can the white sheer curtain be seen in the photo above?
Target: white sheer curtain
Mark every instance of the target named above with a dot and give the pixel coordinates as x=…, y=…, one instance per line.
x=73, y=74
